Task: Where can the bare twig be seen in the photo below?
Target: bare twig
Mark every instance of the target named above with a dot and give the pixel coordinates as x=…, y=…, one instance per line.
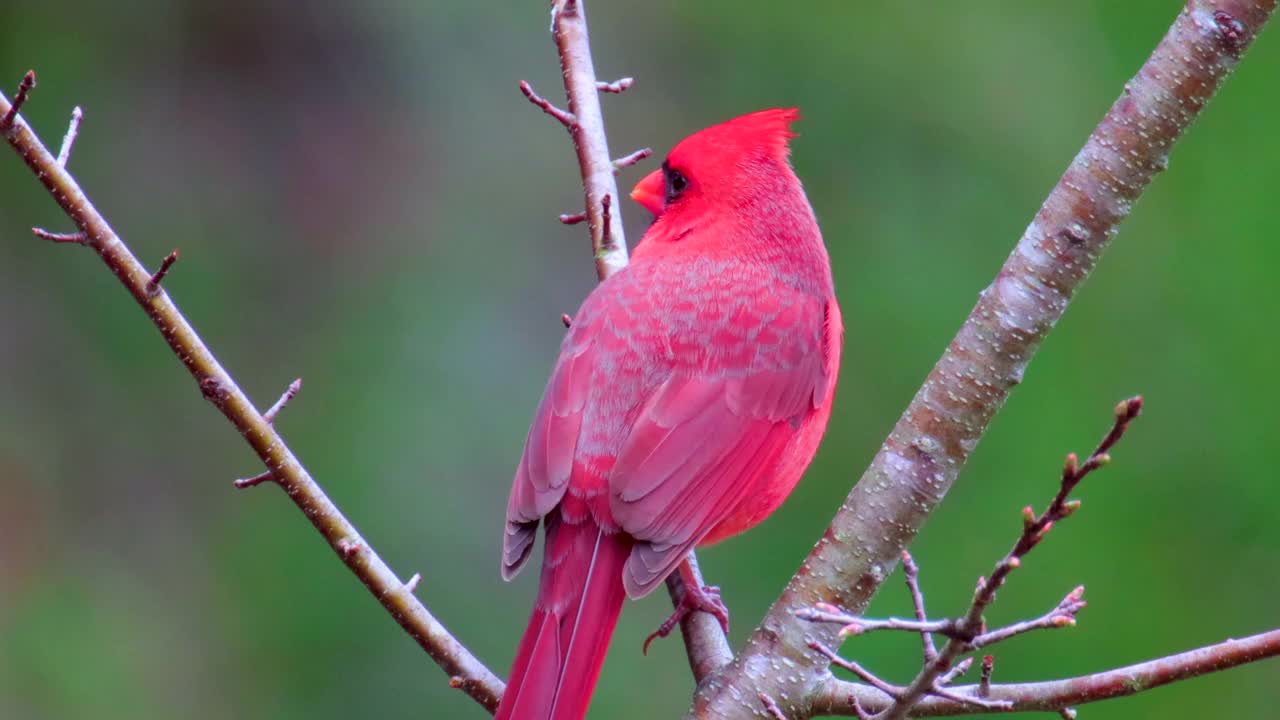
x=838, y=697
x=153, y=283
x=412, y=583
x=254, y=481
x=77, y=238
x=290, y=392
x=19, y=99
x=565, y=118
x=573, y=218
x=927, y=448
x=216, y=384
x=988, y=667
x=912, y=573
x=68, y=140
x=617, y=86
x=627, y=161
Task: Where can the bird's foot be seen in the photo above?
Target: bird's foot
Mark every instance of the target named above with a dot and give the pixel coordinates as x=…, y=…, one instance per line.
x=696, y=598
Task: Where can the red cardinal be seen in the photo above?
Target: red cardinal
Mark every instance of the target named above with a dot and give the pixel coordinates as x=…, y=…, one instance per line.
x=691, y=392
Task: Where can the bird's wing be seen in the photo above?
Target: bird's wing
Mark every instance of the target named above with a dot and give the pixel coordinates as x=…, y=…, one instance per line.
x=548, y=461
x=703, y=439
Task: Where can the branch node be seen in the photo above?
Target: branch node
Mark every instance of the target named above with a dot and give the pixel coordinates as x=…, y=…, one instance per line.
x=73, y=129
x=24, y=89
x=289, y=393
x=243, y=483
x=78, y=238
x=984, y=682
x=349, y=548
x=564, y=117
x=153, y=285
x=213, y=390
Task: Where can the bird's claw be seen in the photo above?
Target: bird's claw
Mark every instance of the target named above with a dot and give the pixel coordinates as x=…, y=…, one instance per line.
x=705, y=599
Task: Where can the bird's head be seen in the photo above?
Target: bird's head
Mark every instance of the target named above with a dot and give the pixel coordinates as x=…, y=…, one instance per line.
x=721, y=164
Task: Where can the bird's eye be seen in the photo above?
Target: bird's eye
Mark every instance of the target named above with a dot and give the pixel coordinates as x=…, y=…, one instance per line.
x=676, y=183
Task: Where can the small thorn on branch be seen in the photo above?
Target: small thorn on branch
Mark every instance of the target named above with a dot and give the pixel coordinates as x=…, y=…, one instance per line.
x=616, y=87
x=568, y=321
x=771, y=707
x=243, y=483
x=153, y=285
x=19, y=99
x=79, y=238
x=573, y=218
x=289, y=393
x=606, y=235
x=628, y=160
x=412, y=583
x=68, y=140
x=565, y=117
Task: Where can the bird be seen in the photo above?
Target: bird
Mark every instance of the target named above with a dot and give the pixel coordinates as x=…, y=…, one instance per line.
x=691, y=391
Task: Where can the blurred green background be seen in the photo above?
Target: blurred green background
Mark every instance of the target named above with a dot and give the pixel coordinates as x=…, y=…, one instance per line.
x=363, y=198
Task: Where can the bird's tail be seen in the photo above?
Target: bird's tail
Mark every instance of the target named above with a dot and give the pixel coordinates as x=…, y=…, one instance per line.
x=579, y=599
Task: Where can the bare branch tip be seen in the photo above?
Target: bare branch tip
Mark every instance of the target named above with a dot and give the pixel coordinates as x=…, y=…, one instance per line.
x=243, y=483
x=153, y=285
x=19, y=99
x=616, y=87
x=290, y=392
x=628, y=160
x=564, y=117
x=77, y=238
x=68, y=140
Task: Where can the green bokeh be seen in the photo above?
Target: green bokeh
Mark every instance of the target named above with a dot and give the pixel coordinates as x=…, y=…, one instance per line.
x=362, y=198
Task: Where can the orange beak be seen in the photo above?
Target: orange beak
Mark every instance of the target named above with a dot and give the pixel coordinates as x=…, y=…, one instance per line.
x=651, y=192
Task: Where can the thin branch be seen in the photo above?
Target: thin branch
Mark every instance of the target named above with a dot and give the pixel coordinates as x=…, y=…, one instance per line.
x=840, y=697
x=563, y=117
x=290, y=392
x=216, y=384
x=153, y=283
x=912, y=573
x=705, y=642
x=926, y=450
x=569, y=30
x=68, y=140
x=573, y=218
x=77, y=238
x=19, y=99
x=616, y=87
x=628, y=160
x=254, y=481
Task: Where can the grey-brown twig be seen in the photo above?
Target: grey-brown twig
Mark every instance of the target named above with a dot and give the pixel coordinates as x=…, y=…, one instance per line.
x=289, y=393
x=25, y=87
x=628, y=160
x=153, y=283
x=838, y=697
x=617, y=86
x=69, y=140
x=219, y=387
x=77, y=238
x=969, y=632
x=929, y=445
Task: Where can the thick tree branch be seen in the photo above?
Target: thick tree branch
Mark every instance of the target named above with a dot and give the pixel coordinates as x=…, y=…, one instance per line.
x=218, y=386
x=838, y=697
x=931, y=442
